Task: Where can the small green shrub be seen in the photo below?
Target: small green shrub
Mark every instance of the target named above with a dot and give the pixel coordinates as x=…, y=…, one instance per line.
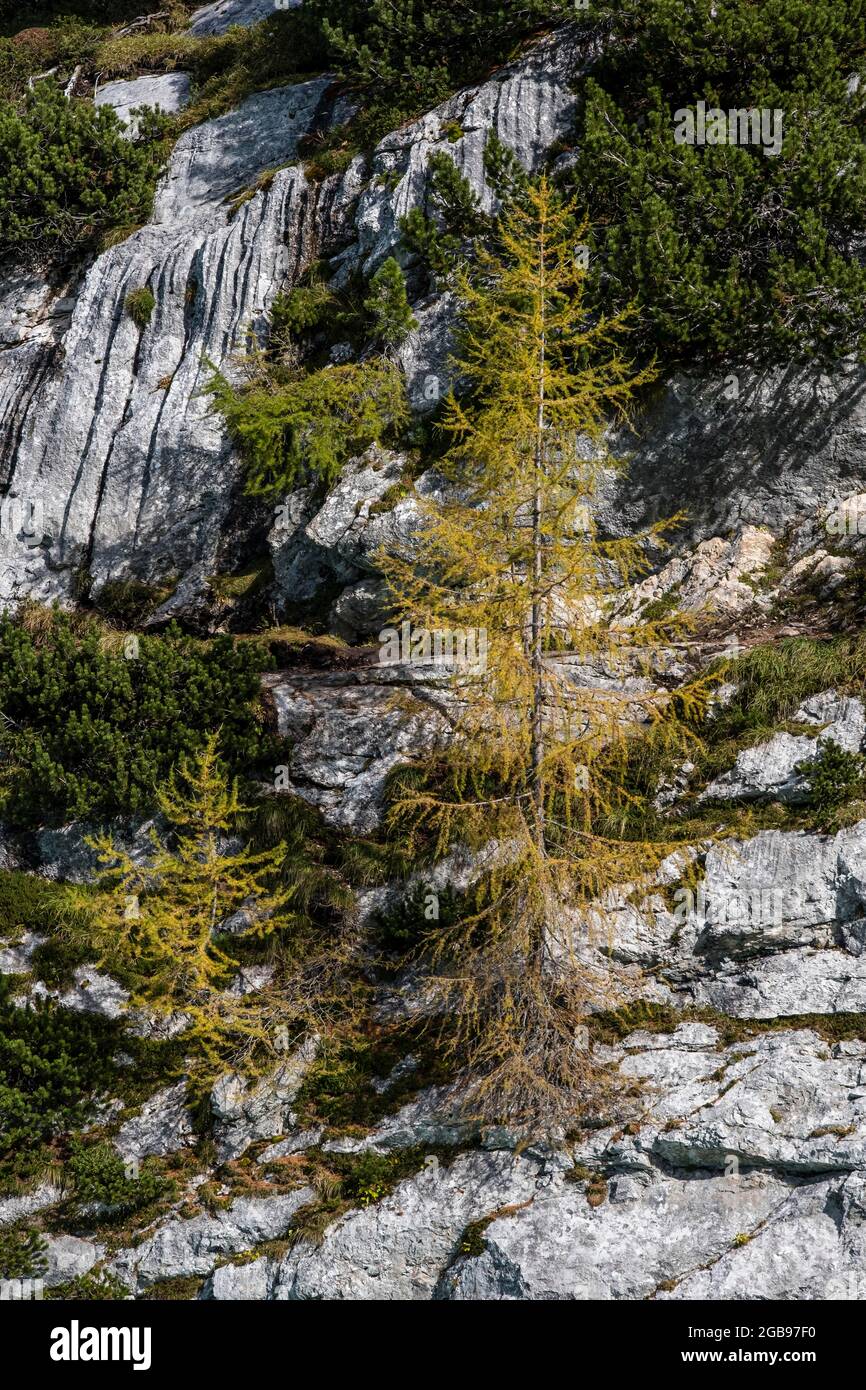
x=414, y=916
x=22, y=1254
x=298, y=310
x=835, y=776
x=367, y=1177
x=27, y=902
x=140, y=304
x=98, y=1174
x=70, y=173
x=409, y=55
x=52, y=1063
x=388, y=306
x=307, y=427
x=91, y=1288
x=91, y=732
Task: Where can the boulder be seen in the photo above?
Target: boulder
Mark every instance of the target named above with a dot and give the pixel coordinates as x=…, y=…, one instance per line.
x=194, y=1246
x=68, y=1257
x=167, y=92
x=245, y=1111
x=161, y=1127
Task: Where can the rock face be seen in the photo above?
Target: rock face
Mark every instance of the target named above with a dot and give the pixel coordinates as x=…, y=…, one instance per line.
x=67, y=1257
x=783, y=446
x=162, y=1126
x=771, y=769
x=119, y=469
x=14, y=1209
x=193, y=1247
x=396, y=1249
x=740, y=1154
x=131, y=470
x=715, y=579
x=775, y=928
x=317, y=543
x=216, y=18
x=528, y=105
x=244, y=1113
x=693, y=1236
x=348, y=734
x=168, y=92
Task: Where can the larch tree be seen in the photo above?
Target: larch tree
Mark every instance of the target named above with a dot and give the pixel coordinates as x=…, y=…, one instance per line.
x=156, y=922
x=534, y=759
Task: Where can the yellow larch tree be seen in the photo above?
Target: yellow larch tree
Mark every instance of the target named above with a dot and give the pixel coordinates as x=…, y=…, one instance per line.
x=534, y=759
x=155, y=920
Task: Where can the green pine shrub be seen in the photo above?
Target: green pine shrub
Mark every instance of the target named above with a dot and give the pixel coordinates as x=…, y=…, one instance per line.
x=300, y=309
x=411, y=918
x=22, y=1254
x=53, y=1062
x=69, y=174
x=388, y=306
x=835, y=777
x=98, y=1175
x=27, y=902
x=91, y=1288
x=408, y=55
x=90, y=733
x=728, y=251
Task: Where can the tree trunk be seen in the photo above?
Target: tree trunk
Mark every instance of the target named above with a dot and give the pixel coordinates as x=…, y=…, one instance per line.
x=537, y=620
